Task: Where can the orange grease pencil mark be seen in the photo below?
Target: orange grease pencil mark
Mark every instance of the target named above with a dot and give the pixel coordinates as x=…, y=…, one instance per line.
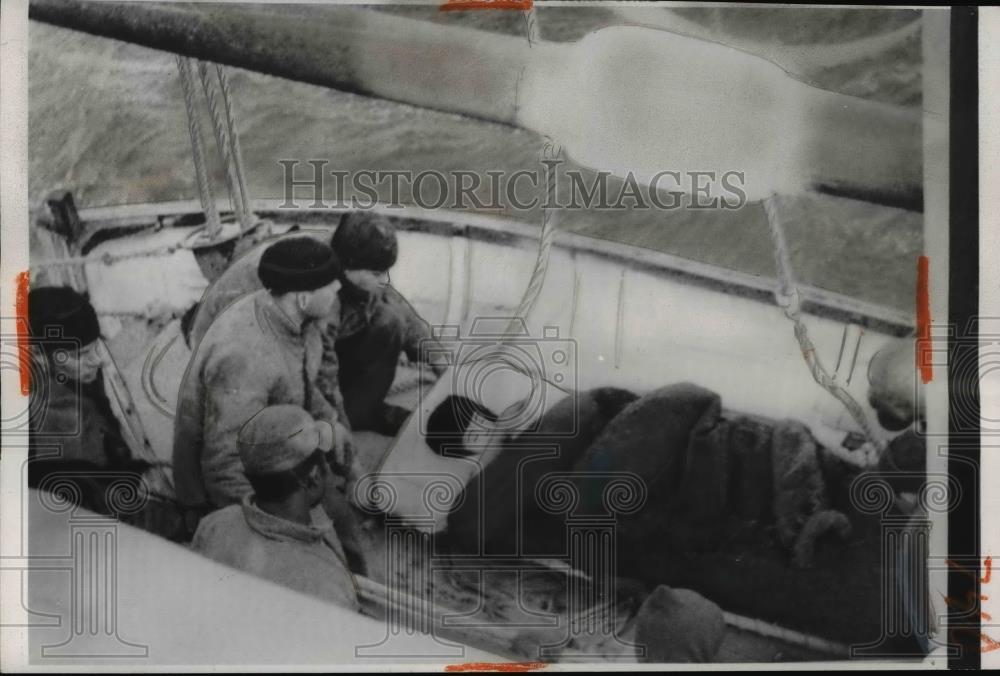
x=924, y=320
x=21, y=325
x=451, y=5
x=510, y=667
x=986, y=643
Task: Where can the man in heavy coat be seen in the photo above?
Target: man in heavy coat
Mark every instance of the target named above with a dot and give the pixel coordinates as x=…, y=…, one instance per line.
x=71, y=419
x=264, y=350
x=75, y=436
x=280, y=532
x=375, y=325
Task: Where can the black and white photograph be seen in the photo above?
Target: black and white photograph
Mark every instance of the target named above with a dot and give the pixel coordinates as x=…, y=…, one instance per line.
x=491, y=335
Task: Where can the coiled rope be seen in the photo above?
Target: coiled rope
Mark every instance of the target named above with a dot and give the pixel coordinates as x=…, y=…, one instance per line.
x=786, y=295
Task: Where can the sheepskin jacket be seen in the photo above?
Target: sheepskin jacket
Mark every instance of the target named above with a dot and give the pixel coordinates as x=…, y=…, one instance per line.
x=357, y=312
x=306, y=558
x=253, y=356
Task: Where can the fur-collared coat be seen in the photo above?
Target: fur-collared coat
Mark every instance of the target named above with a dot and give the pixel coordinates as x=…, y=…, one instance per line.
x=251, y=357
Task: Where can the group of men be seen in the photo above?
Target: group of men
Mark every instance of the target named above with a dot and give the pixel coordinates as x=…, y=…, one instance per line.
x=294, y=346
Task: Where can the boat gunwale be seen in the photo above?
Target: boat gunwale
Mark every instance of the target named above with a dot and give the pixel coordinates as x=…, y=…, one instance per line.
x=506, y=231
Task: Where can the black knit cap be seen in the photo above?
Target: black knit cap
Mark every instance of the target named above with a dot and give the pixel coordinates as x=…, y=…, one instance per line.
x=61, y=313
x=365, y=241
x=298, y=264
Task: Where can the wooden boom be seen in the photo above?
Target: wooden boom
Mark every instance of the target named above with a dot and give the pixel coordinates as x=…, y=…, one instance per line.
x=625, y=98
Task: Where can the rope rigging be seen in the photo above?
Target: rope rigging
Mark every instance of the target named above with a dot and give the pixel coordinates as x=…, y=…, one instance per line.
x=234, y=140
x=550, y=155
x=787, y=296
x=218, y=95
x=214, y=225
x=224, y=128
x=224, y=125
x=550, y=152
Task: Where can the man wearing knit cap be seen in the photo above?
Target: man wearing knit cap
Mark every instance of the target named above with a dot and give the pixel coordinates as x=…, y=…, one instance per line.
x=376, y=324
x=74, y=431
x=280, y=531
x=263, y=350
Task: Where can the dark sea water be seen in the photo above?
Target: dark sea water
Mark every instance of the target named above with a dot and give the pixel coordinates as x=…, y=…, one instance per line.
x=107, y=121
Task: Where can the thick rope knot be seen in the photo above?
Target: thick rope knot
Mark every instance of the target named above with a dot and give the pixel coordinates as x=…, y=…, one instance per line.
x=789, y=301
